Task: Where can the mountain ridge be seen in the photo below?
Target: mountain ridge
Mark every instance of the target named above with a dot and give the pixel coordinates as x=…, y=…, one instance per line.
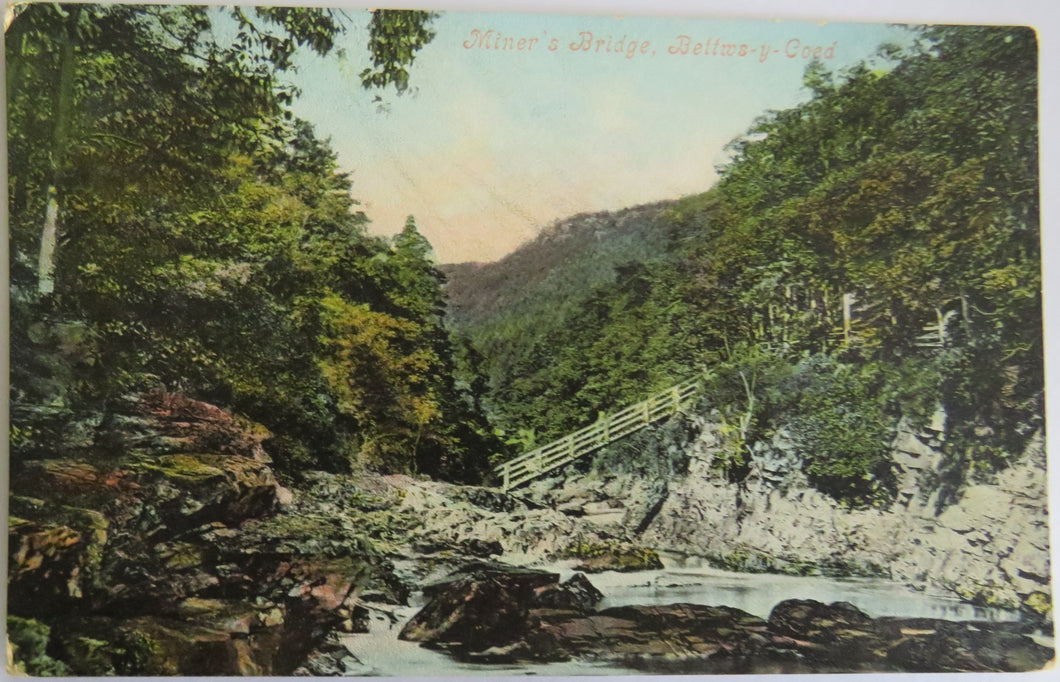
x=568, y=254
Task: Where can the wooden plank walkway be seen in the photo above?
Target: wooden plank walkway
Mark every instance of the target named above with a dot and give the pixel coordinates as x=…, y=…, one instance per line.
x=605, y=430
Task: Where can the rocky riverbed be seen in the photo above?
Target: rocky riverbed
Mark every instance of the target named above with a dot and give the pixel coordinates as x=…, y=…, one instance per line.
x=494, y=613
x=176, y=550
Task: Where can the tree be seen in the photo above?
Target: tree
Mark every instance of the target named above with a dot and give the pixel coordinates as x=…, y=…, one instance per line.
x=152, y=91
x=205, y=241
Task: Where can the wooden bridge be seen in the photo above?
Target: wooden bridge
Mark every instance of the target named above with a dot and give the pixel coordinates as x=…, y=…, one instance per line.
x=605, y=430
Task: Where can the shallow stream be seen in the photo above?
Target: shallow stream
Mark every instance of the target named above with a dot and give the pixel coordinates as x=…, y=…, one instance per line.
x=683, y=580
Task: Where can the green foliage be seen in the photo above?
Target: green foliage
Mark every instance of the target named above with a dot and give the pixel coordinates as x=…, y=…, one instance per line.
x=30, y=639
x=840, y=416
x=396, y=37
x=842, y=429
x=206, y=242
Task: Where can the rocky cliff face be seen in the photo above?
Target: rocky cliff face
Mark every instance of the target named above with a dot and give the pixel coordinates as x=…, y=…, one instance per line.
x=163, y=545
x=990, y=546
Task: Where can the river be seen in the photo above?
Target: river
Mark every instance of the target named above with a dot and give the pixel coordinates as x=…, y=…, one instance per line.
x=682, y=580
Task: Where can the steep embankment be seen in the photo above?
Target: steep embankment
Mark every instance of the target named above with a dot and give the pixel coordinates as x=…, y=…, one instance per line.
x=990, y=546
x=157, y=541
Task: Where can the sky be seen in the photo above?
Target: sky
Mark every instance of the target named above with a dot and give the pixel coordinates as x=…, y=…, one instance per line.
x=494, y=144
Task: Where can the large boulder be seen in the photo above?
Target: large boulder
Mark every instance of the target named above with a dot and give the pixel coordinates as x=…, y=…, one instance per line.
x=837, y=634
x=193, y=637
x=931, y=645
x=182, y=491
x=717, y=636
x=840, y=637
x=576, y=594
x=159, y=423
x=484, y=604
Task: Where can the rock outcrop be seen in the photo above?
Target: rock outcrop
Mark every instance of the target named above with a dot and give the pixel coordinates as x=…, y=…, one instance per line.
x=162, y=546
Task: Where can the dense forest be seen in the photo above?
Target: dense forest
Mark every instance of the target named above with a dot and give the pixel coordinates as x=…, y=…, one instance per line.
x=870, y=254
x=173, y=226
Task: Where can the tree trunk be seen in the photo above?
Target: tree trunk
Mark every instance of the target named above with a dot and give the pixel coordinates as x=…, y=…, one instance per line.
x=49, y=236
x=63, y=111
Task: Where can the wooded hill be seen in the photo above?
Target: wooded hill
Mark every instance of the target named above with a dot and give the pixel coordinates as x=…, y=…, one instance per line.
x=871, y=253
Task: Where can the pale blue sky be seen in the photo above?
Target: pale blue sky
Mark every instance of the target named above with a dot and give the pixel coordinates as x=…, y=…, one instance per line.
x=494, y=145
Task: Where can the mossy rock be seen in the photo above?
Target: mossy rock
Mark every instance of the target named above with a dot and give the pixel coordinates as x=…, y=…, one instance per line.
x=615, y=557
x=184, y=467
x=1038, y=603
x=29, y=641
x=55, y=555
x=30, y=509
x=985, y=595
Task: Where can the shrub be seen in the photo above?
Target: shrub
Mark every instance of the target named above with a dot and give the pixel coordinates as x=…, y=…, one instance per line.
x=843, y=430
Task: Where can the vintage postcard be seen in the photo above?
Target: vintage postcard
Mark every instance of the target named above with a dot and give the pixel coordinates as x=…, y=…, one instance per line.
x=445, y=343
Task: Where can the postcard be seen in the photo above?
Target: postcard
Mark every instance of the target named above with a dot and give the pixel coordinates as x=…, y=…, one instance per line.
x=429, y=342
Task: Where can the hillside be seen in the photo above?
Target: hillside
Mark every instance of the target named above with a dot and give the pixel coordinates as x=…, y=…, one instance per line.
x=570, y=256
x=852, y=267
x=511, y=317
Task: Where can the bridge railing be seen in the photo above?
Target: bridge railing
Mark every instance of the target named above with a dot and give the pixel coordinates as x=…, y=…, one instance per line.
x=605, y=430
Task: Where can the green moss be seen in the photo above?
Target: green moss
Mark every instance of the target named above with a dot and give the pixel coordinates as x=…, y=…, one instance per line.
x=184, y=467
x=1039, y=603
x=614, y=556
x=30, y=641
x=90, y=656
x=135, y=653
x=183, y=555
x=83, y=520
